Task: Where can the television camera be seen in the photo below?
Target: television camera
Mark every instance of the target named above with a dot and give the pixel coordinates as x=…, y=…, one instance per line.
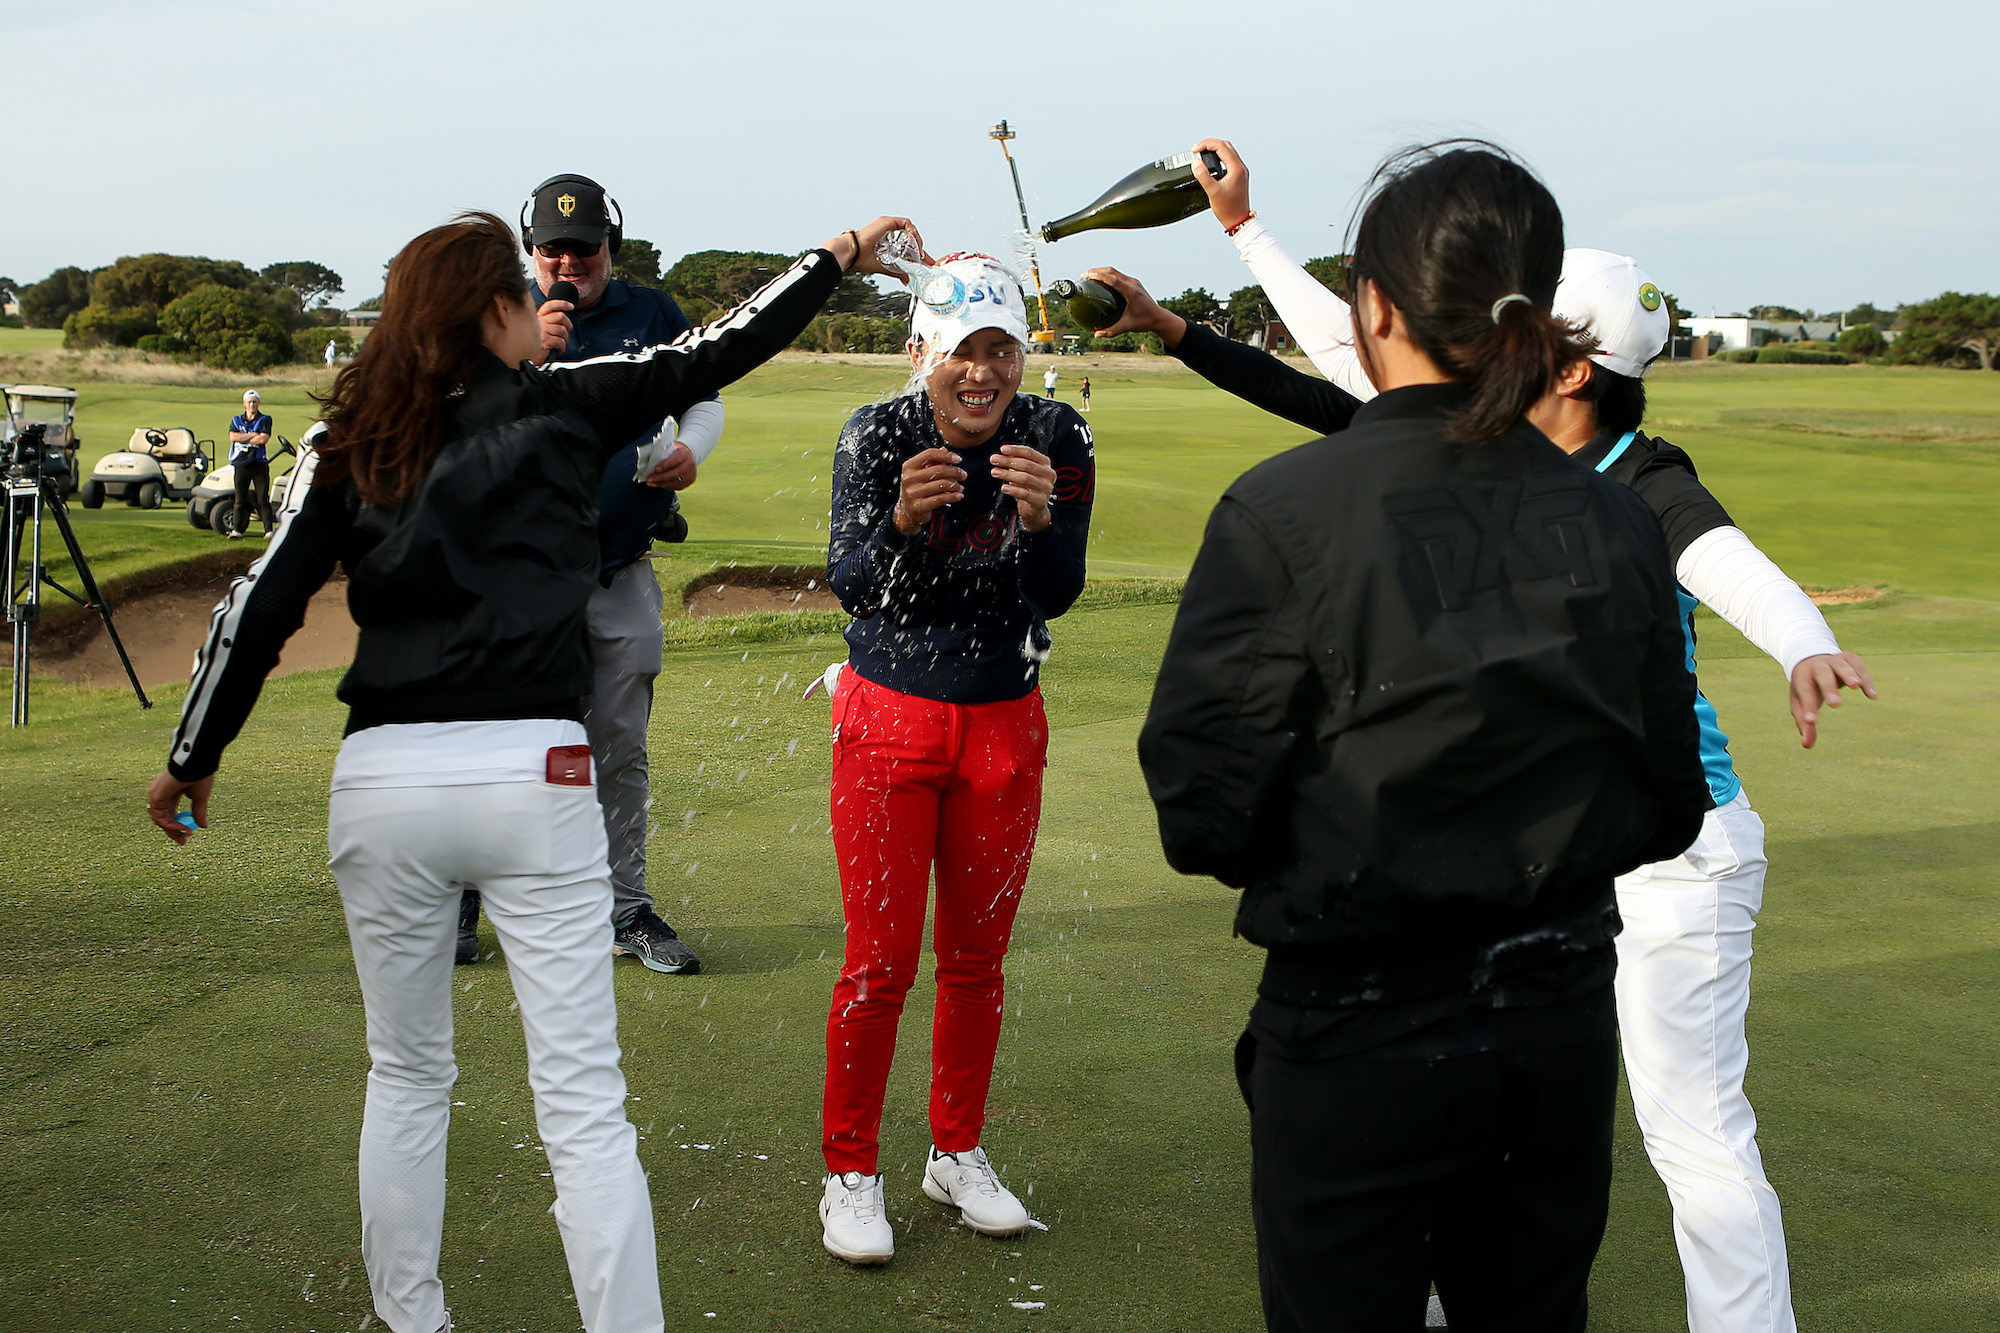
x=33, y=475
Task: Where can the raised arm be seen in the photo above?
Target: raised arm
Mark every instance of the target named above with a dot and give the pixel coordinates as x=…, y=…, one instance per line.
x=1320, y=322
x=625, y=394
x=1255, y=376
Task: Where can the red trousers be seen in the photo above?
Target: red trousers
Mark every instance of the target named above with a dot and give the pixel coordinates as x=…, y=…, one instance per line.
x=917, y=784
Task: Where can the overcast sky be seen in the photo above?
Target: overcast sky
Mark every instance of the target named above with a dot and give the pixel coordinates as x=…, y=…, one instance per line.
x=1810, y=155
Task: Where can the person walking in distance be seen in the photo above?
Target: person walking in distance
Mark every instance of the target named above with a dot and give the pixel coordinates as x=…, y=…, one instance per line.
x=1049, y=378
x=1424, y=698
x=332, y=352
x=457, y=483
x=961, y=516
x=1683, y=987
x=250, y=464
x=1084, y=393
x=572, y=235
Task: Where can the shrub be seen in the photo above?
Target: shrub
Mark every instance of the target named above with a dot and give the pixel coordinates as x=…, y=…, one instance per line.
x=161, y=343
x=1739, y=355
x=852, y=333
x=1863, y=340
x=309, y=344
x=48, y=303
x=1782, y=354
x=228, y=328
x=107, y=326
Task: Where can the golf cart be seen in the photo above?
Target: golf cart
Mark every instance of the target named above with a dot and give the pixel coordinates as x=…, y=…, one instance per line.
x=52, y=406
x=154, y=466
x=212, y=504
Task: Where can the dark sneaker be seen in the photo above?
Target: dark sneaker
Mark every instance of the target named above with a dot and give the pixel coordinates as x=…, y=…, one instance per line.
x=468, y=928
x=653, y=942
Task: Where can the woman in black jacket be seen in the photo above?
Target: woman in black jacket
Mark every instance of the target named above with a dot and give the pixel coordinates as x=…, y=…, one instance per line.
x=458, y=486
x=1426, y=695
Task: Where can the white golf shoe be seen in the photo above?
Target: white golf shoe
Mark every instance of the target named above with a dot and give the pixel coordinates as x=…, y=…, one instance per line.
x=854, y=1223
x=967, y=1181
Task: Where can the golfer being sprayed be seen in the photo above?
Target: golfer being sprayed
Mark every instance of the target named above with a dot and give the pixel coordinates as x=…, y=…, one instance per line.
x=960, y=515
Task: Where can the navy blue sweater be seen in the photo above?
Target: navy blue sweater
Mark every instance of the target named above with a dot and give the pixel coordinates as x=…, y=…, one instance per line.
x=959, y=611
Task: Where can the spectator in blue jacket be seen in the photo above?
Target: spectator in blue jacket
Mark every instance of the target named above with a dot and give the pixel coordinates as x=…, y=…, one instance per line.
x=249, y=437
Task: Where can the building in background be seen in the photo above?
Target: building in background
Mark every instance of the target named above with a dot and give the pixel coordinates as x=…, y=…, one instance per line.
x=1739, y=332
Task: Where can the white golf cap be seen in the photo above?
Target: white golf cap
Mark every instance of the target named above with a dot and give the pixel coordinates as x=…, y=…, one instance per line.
x=1611, y=296
x=248, y=394
x=967, y=293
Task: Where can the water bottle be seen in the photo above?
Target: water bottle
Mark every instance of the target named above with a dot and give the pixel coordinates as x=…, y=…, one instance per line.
x=1153, y=196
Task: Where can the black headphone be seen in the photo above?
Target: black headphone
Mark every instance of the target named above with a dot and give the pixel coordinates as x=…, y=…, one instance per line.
x=614, y=232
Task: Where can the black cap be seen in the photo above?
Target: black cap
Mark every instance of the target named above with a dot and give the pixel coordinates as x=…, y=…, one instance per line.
x=568, y=208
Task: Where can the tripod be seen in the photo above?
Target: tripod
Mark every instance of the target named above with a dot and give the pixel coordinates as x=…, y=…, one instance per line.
x=30, y=492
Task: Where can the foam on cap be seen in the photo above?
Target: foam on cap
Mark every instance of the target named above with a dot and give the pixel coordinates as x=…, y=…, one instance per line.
x=1611, y=297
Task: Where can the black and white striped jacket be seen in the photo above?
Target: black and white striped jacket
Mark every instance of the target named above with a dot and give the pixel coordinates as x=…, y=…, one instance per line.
x=471, y=596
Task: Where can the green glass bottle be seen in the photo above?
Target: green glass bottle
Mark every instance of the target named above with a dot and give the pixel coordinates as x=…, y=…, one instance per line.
x=1153, y=196
x=1092, y=305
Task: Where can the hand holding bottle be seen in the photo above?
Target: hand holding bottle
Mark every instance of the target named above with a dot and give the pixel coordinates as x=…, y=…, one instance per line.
x=1142, y=313
x=1228, y=198
x=864, y=260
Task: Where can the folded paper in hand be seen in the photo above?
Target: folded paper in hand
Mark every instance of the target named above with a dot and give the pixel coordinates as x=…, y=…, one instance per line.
x=654, y=451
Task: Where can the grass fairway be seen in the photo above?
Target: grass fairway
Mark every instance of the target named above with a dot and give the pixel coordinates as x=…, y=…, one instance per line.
x=180, y=1032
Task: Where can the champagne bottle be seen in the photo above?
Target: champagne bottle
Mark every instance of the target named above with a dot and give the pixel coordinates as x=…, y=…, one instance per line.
x=1092, y=305
x=1153, y=196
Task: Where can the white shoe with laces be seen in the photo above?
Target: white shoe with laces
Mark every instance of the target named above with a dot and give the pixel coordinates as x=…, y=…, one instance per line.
x=967, y=1181
x=854, y=1223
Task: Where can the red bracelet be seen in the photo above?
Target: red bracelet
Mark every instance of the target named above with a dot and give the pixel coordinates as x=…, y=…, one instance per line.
x=1240, y=223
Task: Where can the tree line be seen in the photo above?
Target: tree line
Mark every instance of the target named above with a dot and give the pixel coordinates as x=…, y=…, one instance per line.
x=226, y=314
x=220, y=311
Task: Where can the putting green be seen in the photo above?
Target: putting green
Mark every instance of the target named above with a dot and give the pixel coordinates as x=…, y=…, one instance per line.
x=182, y=1034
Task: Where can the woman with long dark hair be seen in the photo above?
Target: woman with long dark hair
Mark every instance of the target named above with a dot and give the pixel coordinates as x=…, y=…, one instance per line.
x=1425, y=696
x=457, y=484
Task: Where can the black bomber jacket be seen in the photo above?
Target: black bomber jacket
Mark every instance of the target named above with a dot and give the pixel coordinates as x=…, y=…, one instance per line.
x=1421, y=704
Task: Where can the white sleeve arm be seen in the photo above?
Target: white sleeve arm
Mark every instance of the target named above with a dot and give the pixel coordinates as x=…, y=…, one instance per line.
x=1745, y=587
x=701, y=428
x=1319, y=320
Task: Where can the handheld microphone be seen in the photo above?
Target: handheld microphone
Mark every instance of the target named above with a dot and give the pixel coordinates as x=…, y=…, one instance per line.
x=562, y=291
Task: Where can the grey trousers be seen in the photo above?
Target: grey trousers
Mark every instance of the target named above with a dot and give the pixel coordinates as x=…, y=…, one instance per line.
x=625, y=646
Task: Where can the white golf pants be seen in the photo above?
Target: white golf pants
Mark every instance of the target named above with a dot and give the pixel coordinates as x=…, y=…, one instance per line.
x=538, y=852
x=1683, y=989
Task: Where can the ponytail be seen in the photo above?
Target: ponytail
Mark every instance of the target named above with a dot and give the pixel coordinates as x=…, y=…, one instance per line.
x=1510, y=367
x=1468, y=245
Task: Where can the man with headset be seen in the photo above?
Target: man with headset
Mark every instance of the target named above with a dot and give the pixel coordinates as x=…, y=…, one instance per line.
x=572, y=234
